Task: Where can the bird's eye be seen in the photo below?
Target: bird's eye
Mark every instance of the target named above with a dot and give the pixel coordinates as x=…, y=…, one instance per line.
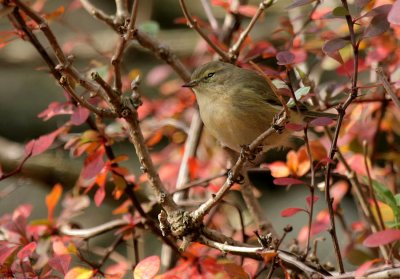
x=210, y=75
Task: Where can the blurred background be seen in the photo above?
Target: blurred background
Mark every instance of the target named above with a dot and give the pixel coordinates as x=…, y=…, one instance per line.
x=27, y=89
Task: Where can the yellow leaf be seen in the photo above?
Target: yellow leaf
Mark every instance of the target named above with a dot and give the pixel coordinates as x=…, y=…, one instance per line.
x=79, y=273
x=386, y=211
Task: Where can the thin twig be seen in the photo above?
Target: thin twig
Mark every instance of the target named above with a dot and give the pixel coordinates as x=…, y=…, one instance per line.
x=97, y=13
x=388, y=88
x=341, y=113
x=235, y=49
x=192, y=23
x=44, y=27
x=110, y=249
x=287, y=258
x=211, y=18
x=199, y=183
x=367, y=163
x=235, y=171
x=312, y=189
x=117, y=57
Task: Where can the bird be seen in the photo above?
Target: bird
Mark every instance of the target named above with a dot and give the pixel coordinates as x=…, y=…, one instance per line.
x=236, y=105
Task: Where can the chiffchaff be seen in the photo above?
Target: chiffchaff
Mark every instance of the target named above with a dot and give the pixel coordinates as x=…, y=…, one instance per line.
x=237, y=105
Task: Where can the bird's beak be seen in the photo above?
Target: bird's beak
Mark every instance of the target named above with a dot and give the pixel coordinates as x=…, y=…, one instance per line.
x=191, y=83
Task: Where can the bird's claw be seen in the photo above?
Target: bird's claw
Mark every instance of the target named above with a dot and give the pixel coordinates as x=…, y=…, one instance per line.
x=246, y=153
x=276, y=126
x=238, y=179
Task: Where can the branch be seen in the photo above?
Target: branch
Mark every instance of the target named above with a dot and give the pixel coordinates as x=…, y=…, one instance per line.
x=388, y=88
x=192, y=23
x=94, y=231
x=99, y=14
x=198, y=214
x=235, y=49
x=211, y=18
x=287, y=258
x=44, y=27
x=116, y=58
x=341, y=113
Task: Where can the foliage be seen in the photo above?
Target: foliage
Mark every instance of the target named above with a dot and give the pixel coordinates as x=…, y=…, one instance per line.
x=334, y=57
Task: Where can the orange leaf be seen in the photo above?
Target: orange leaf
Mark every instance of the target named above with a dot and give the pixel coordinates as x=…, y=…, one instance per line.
x=154, y=138
x=292, y=161
x=123, y=208
x=279, y=169
x=268, y=257
x=52, y=199
x=56, y=13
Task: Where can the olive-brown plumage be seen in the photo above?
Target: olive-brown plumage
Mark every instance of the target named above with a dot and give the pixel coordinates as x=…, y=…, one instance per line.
x=236, y=104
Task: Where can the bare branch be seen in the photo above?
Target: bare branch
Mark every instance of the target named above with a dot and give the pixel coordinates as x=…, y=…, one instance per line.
x=235, y=49
x=388, y=88
x=235, y=171
x=97, y=13
x=192, y=23
x=116, y=58
x=211, y=18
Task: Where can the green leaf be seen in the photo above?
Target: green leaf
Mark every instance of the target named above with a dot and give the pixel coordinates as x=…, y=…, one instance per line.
x=150, y=27
x=302, y=91
x=340, y=11
x=383, y=194
x=397, y=197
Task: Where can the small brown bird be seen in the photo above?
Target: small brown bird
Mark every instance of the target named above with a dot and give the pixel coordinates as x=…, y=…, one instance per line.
x=237, y=105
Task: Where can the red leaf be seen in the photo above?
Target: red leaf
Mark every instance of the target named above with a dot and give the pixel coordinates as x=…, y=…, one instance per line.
x=321, y=121
x=193, y=165
x=299, y=3
x=99, y=196
x=364, y=268
x=291, y=211
x=382, y=238
x=55, y=108
x=308, y=200
x=334, y=45
x=6, y=250
x=394, y=14
x=61, y=263
x=248, y=10
x=294, y=127
x=284, y=181
x=338, y=191
x=79, y=116
x=377, y=26
x=93, y=164
x=26, y=251
x=117, y=271
x=348, y=67
x=52, y=199
x=147, y=268
x=222, y=3
x=40, y=145
x=285, y=57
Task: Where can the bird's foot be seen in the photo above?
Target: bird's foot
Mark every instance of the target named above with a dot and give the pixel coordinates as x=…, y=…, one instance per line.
x=246, y=153
x=276, y=125
x=238, y=179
